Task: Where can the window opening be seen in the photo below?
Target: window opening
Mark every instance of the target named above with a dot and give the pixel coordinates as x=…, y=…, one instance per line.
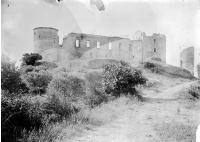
x=98, y=44
x=77, y=43
x=110, y=46
x=88, y=43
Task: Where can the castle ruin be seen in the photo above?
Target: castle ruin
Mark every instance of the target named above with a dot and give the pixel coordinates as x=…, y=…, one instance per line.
x=187, y=59
x=88, y=46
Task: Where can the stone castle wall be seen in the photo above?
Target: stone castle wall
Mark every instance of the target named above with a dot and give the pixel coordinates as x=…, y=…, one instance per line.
x=198, y=70
x=120, y=49
x=69, y=43
x=154, y=46
x=45, y=38
x=86, y=46
x=187, y=59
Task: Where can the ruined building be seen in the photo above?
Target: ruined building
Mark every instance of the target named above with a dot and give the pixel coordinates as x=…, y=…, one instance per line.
x=187, y=59
x=198, y=70
x=87, y=46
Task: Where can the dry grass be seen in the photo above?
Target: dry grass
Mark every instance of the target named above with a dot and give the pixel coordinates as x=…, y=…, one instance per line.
x=86, y=119
x=176, y=132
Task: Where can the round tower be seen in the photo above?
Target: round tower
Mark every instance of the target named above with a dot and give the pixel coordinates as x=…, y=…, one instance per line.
x=45, y=38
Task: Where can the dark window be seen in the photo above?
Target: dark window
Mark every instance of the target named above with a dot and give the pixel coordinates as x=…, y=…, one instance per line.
x=154, y=40
x=154, y=49
x=39, y=37
x=54, y=40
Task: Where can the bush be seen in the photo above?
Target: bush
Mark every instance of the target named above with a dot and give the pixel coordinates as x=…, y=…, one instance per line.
x=49, y=65
x=37, y=82
x=72, y=87
x=194, y=92
x=95, y=91
x=60, y=107
x=19, y=114
x=10, y=76
x=122, y=79
x=27, y=69
x=40, y=68
x=31, y=59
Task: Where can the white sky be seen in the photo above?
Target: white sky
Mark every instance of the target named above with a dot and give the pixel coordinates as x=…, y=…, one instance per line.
x=179, y=20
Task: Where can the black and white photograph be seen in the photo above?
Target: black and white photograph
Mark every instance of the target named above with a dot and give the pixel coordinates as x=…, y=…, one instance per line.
x=100, y=70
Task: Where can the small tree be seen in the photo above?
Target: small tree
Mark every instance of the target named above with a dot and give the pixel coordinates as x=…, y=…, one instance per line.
x=10, y=76
x=31, y=59
x=121, y=79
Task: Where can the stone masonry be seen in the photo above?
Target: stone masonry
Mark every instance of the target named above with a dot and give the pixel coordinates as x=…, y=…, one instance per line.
x=87, y=46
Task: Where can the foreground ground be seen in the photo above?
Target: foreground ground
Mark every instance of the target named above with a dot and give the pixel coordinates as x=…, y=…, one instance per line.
x=162, y=108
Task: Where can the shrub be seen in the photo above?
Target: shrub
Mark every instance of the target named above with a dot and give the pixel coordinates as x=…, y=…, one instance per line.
x=72, y=87
x=40, y=68
x=95, y=89
x=37, y=82
x=122, y=79
x=149, y=65
x=59, y=106
x=194, y=92
x=10, y=76
x=19, y=114
x=49, y=65
x=27, y=69
x=31, y=59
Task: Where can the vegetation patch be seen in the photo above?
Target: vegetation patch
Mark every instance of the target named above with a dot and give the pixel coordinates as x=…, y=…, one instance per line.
x=74, y=100
x=176, y=131
x=122, y=79
x=168, y=70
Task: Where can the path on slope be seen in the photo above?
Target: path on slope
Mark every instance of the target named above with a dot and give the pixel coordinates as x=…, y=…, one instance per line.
x=136, y=123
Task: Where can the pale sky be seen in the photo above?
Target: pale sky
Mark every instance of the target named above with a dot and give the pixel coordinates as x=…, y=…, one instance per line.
x=179, y=20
